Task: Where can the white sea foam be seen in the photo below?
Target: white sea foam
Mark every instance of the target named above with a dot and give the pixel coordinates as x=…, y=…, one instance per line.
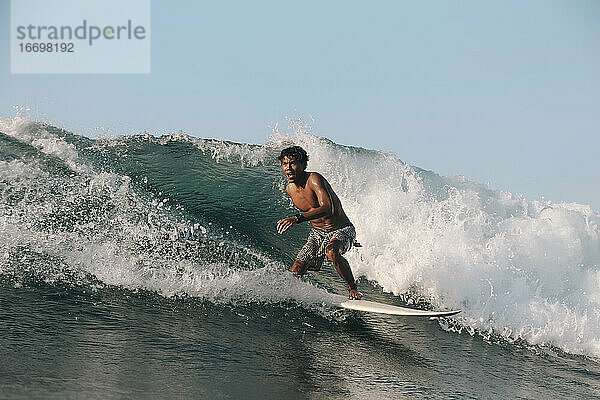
x=34, y=134
x=521, y=269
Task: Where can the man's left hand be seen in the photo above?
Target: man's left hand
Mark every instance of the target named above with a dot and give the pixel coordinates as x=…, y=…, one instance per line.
x=284, y=224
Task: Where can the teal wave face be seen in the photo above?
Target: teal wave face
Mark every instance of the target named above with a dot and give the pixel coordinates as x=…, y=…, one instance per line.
x=244, y=200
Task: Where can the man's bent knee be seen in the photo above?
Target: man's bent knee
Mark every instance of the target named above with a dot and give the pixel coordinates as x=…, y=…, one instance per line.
x=299, y=268
x=332, y=250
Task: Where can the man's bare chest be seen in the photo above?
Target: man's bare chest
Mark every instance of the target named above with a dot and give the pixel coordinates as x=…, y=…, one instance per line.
x=304, y=199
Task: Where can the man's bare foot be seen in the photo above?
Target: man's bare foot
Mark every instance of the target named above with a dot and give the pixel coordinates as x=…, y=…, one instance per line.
x=354, y=294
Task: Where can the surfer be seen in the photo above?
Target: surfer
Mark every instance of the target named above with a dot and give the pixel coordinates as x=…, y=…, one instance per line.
x=332, y=233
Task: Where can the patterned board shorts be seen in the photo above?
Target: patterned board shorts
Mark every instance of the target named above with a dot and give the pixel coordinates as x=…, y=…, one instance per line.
x=313, y=252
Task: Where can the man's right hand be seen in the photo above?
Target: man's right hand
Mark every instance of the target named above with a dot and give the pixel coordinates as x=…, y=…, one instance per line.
x=284, y=224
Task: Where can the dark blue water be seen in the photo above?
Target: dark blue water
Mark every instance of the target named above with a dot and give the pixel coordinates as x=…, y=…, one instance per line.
x=58, y=342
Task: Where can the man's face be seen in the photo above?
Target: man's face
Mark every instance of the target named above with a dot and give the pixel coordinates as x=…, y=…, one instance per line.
x=292, y=169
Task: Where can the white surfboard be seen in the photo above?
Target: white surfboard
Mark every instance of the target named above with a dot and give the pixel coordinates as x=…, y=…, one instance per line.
x=372, y=306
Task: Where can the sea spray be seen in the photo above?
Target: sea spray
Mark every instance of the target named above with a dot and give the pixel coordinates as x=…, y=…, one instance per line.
x=521, y=269
x=61, y=220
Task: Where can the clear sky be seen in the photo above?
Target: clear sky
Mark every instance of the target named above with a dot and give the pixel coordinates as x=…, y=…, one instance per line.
x=502, y=92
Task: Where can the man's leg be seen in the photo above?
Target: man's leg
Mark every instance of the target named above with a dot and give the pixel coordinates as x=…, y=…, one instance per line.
x=332, y=251
x=299, y=267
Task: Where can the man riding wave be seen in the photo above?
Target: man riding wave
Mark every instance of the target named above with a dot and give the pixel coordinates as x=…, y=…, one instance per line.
x=332, y=233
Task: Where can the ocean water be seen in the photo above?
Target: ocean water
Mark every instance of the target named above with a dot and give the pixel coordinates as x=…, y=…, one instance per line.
x=145, y=266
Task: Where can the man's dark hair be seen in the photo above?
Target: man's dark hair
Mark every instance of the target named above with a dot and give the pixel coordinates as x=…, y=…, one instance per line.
x=295, y=151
